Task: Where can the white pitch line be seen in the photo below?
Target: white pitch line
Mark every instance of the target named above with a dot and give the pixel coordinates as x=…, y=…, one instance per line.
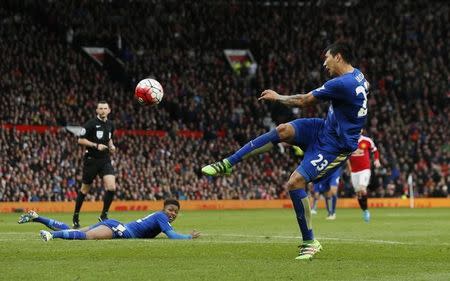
x=351, y=240
x=15, y=233
x=269, y=239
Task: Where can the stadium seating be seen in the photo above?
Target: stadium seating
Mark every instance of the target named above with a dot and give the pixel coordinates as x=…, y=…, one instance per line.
x=46, y=80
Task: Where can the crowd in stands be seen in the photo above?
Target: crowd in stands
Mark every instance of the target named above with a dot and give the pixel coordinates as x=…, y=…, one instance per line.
x=46, y=80
x=47, y=167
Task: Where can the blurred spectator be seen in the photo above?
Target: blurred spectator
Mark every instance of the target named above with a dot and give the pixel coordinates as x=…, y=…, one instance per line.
x=46, y=80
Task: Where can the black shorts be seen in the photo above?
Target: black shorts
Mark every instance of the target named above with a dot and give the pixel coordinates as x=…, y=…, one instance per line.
x=93, y=167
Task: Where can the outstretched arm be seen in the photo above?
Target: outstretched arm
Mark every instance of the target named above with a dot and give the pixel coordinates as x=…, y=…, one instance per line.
x=174, y=235
x=301, y=100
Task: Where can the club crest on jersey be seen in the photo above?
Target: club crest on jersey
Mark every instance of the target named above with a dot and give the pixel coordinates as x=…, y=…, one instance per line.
x=99, y=134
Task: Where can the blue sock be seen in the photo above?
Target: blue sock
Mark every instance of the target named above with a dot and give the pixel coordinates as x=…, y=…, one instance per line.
x=333, y=203
x=329, y=205
x=52, y=224
x=70, y=234
x=258, y=143
x=301, y=206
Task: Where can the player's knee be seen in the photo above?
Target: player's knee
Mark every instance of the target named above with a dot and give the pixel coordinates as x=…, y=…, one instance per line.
x=296, y=181
x=360, y=194
x=110, y=182
x=110, y=186
x=285, y=131
x=333, y=190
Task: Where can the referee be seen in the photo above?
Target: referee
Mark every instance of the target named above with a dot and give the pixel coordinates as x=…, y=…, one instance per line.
x=96, y=135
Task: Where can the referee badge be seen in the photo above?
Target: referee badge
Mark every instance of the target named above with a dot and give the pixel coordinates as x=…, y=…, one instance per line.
x=99, y=134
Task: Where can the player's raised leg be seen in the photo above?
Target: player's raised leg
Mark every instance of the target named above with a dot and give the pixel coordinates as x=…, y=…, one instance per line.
x=261, y=144
x=300, y=201
x=33, y=216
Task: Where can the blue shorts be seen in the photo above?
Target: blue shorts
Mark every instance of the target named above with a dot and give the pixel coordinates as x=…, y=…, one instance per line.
x=320, y=158
x=324, y=184
x=119, y=230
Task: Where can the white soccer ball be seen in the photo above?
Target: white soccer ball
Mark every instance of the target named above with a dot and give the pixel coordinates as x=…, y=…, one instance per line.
x=149, y=91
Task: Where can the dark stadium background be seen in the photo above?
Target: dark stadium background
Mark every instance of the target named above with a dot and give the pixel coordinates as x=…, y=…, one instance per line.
x=47, y=79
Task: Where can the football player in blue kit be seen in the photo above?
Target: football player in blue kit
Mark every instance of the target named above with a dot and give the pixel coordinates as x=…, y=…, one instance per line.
x=145, y=228
x=328, y=187
x=326, y=142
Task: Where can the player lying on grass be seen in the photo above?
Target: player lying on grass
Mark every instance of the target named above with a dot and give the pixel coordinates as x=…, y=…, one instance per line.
x=148, y=227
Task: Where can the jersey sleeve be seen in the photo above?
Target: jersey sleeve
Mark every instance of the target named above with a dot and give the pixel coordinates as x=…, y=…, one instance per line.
x=174, y=235
x=374, y=150
x=86, y=129
x=329, y=91
x=163, y=223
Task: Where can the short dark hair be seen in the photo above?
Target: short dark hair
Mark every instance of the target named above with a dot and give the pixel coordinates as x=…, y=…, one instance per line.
x=172, y=202
x=102, y=101
x=341, y=48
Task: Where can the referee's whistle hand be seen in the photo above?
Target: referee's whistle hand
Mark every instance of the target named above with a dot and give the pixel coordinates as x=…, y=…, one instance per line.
x=102, y=147
x=112, y=148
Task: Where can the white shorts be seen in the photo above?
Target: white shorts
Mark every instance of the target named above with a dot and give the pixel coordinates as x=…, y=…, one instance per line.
x=360, y=180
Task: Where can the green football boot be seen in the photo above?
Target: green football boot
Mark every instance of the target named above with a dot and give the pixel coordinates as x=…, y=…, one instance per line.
x=308, y=250
x=28, y=217
x=221, y=168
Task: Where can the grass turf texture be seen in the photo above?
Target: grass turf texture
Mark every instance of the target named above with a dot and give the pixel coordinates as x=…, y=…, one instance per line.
x=398, y=244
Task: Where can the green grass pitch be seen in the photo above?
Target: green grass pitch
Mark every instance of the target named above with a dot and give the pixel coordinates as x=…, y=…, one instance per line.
x=398, y=244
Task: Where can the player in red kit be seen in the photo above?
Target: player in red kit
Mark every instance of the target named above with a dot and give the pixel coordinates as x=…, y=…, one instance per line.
x=359, y=165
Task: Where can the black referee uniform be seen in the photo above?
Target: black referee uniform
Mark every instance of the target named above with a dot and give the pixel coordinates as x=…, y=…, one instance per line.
x=96, y=162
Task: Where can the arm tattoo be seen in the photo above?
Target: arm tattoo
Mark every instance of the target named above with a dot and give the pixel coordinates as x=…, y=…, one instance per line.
x=301, y=100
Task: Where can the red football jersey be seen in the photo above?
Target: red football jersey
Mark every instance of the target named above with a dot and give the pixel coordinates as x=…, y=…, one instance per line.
x=360, y=158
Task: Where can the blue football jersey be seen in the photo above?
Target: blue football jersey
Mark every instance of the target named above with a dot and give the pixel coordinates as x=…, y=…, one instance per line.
x=347, y=112
x=150, y=226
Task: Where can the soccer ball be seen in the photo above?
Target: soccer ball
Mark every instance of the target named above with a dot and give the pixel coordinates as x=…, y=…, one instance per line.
x=149, y=91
